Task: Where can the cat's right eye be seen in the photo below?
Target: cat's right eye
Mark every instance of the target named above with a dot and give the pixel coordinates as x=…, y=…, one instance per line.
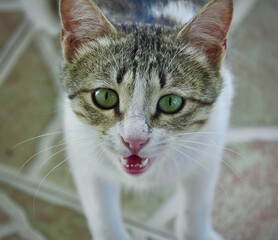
x=105, y=98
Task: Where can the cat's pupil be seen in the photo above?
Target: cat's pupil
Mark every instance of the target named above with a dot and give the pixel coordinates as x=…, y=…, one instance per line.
x=106, y=95
x=170, y=101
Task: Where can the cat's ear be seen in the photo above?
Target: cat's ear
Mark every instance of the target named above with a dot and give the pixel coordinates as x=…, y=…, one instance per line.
x=209, y=28
x=82, y=21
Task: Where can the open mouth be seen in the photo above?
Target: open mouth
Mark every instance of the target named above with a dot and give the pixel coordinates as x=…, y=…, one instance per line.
x=135, y=165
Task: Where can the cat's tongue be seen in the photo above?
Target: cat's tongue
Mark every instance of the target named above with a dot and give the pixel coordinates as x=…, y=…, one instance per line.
x=135, y=165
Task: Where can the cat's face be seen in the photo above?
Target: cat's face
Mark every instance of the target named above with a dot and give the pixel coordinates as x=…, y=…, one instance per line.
x=139, y=87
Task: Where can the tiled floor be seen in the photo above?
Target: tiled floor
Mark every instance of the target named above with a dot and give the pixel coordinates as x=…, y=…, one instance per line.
x=246, y=203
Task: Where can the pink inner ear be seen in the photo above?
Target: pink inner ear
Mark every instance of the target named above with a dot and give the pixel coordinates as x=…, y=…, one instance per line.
x=208, y=30
x=82, y=22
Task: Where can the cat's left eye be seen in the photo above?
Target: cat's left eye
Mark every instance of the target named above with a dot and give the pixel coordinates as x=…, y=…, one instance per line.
x=170, y=104
x=105, y=98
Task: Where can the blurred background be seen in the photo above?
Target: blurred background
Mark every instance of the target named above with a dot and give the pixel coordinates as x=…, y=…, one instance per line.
x=37, y=196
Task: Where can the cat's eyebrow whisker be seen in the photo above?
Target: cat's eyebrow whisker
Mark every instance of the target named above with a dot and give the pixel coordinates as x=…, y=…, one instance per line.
x=185, y=62
x=173, y=58
x=122, y=61
x=113, y=56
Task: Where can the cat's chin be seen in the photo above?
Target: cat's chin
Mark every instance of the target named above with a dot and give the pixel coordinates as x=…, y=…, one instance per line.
x=135, y=165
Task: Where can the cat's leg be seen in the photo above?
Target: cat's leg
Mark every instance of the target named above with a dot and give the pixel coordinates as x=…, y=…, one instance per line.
x=195, y=205
x=101, y=203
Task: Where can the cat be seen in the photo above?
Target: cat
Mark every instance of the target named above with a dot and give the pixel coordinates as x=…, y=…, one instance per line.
x=147, y=104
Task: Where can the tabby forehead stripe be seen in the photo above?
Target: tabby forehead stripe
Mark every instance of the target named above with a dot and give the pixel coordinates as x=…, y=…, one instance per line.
x=121, y=74
x=162, y=79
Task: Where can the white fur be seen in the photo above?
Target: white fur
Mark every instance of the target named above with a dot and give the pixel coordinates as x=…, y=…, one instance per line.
x=179, y=11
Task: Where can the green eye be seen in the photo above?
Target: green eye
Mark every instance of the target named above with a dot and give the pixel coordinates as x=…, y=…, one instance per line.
x=170, y=104
x=105, y=98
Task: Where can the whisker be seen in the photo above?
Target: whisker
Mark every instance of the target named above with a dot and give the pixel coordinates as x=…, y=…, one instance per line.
x=44, y=150
x=219, y=147
x=101, y=151
x=173, y=58
x=49, y=134
x=121, y=60
x=202, y=166
x=212, y=157
x=34, y=138
x=181, y=64
x=192, y=133
x=32, y=157
x=113, y=56
x=44, y=178
x=174, y=161
x=37, y=191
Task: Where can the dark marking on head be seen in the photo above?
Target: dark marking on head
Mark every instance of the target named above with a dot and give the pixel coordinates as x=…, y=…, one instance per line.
x=150, y=70
x=118, y=114
x=158, y=34
x=121, y=74
x=162, y=79
x=134, y=70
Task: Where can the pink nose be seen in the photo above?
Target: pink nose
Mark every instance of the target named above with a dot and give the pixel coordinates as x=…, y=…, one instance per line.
x=135, y=145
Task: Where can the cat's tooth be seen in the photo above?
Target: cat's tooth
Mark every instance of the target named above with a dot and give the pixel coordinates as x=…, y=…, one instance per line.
x=127, y=165
x=140, y=165
x=124, y=161
x=145, y=162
